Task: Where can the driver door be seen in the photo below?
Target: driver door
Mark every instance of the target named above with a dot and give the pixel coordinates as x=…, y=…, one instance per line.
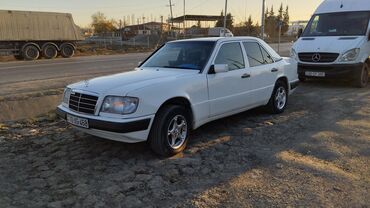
x=228, y=91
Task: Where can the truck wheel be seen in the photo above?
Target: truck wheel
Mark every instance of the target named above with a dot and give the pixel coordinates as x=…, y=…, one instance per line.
x=18, y=57
x=279, y=98
x=67, y=51
x=170, y=131
x=362, y=79
x=49, y=52
x=31, y=52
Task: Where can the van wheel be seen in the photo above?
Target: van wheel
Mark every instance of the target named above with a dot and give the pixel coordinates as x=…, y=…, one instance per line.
x=49, y=52
x=170, y=131
x=279, y=98
x=67, y=51
x=31, y=52
x=362, y=79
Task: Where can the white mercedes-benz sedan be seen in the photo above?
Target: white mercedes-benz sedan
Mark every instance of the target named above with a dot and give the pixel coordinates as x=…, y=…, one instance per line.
x=181, y=86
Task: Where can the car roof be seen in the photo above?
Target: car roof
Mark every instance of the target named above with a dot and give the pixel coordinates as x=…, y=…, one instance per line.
x=219, y=39
x=331, y=6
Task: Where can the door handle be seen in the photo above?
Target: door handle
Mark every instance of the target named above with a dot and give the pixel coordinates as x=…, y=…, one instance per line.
x=246, y=75
x=274, y=70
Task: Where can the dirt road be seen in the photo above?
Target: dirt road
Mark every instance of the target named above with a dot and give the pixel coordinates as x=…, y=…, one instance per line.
x=316, y=154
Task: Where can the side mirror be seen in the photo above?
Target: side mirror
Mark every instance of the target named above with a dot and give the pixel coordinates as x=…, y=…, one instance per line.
x=300, y=31
x=139, y=63
x=221, y=68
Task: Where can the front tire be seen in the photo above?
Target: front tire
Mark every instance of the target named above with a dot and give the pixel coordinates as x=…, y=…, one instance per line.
x=279, y=98
x=362, y=79
x=170, y=131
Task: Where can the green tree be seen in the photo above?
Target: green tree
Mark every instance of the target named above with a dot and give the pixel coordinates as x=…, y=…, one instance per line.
x=229, y=21
x=249, y=27
x=272, y=13
x=280, y=13
x=101, y=24
x=285, y=27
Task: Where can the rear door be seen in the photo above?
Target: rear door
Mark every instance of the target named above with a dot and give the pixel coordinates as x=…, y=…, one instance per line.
x=264, y=71
x=228, y=91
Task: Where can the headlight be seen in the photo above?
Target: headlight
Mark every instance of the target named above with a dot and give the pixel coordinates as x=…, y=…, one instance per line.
x=350, y=55
x=119, y=105
x=66, y=95
x=293, y=54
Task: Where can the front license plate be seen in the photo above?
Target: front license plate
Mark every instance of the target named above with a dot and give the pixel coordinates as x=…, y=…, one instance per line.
x=80, y=122
x=315, y=74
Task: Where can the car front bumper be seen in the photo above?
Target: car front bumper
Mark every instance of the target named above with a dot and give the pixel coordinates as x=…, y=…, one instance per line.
x=333, y=71
x=123, y=130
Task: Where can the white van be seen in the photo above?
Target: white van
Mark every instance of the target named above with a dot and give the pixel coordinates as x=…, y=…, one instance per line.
x=336, y=42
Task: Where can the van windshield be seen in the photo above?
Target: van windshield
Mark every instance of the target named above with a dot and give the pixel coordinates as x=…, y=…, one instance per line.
x=191, y=55
x=338, y=24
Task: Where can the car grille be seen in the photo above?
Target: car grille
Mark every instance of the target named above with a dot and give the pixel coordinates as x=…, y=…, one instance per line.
x=318, y=57
x=82, y=103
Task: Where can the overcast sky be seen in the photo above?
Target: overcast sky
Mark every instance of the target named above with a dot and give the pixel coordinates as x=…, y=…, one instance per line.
x=153, y=9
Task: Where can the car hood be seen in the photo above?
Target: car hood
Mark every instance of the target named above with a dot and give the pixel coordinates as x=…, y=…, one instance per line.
x=326, y=44
x=122, y=83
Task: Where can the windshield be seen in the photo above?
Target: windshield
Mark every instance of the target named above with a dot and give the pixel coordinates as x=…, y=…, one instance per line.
x=338, y=24
x=191, y=55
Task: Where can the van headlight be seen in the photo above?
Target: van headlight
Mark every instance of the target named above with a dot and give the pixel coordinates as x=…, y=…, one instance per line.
x=350, y=55
x=66, y=95
x=119, y=105
x=293, y=54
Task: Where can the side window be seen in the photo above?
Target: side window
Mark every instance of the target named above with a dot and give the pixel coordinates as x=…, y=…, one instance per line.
x=254, y=53
x=266, y=56
x=231, y=54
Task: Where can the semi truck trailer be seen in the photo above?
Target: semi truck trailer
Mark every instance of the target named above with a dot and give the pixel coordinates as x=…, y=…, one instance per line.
x=30, y=35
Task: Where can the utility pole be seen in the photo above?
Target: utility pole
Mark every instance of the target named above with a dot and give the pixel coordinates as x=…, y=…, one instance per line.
x=225, y=14
x=184, y=19
x=263, y=20
x=171, y=12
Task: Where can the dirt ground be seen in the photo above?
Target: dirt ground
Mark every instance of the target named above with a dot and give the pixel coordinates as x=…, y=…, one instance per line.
x=316, y=154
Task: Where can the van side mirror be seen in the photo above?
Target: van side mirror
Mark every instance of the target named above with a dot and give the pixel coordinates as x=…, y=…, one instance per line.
x=300, y=31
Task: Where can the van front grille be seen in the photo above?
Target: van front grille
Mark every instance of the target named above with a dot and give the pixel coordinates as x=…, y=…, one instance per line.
x=82, y=103
x=318, y=57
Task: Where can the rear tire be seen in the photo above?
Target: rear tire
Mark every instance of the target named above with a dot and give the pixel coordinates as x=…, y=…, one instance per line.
x=170, y=131
x=279, y=98
x=49, y=51
x=31, y=53
x=67, y=50
x=362, y=79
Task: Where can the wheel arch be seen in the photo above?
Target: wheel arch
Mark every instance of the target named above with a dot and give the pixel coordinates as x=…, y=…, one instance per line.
x=285, y=80
x=31, y=43
x=49, y=43
x=181, y=101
